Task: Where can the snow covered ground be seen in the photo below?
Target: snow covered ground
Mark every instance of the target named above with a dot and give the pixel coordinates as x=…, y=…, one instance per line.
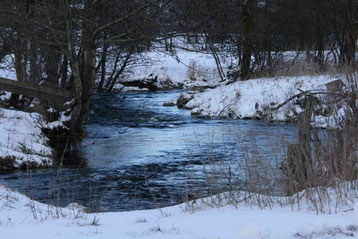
x=190, y=67
x=184, y=70
x=22, y=143
x=246, y=99
x=187, y=66
x=21, y=217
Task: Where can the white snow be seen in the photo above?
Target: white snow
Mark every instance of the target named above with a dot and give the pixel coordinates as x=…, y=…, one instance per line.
x=21, y=217
x=5, y=96
x=242, y=99
x=59, y=123
x=189, y=66
x=186, y=69
x=7, y=69
x=22, y=139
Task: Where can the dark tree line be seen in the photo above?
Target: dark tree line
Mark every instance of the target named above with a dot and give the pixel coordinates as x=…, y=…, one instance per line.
x=257, y=28
x=68, y=43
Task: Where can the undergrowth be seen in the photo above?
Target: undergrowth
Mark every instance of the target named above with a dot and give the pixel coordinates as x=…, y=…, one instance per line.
x=321, y=176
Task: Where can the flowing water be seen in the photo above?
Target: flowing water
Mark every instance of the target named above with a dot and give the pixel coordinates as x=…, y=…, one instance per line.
x=138, y=154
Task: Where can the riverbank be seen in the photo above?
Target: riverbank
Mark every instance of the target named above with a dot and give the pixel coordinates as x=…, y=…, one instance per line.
x=185, y=66
x=22, y=143
x=255, y=99
x=22, y=217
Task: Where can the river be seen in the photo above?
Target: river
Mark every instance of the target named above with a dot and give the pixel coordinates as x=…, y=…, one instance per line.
x=138, y=154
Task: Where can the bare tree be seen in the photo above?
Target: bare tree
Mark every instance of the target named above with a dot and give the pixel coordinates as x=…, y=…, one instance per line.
x=67, y=34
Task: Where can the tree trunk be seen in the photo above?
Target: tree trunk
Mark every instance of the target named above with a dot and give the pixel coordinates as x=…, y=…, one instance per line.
x=34, y=71
x=83, y=82
x=88, y=80
x=83, y=66
x=64, y=70
x=103, y=69
x=52, y=61
x=304, y=141
x=123, y=67
x=24, y=62
x=248, y=44
x=77, y=92
x=217, y=60
x=18, y=66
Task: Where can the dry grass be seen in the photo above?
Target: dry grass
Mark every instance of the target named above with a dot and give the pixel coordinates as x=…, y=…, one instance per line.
x=324, y=180
x=281, y=67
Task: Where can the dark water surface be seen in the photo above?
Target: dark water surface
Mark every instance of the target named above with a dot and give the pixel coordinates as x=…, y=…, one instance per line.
x=138, y=155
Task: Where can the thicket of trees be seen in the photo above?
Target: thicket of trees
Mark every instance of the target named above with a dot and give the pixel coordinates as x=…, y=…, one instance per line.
x=255, y=29
x=68, y=43
x=60, y=41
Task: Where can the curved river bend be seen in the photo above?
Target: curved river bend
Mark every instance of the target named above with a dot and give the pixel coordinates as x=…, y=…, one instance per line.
x=139, y=155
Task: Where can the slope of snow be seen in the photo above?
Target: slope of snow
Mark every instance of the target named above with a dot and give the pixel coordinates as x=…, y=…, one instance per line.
x=243, y=99
x=21, y=139
x=184, y=70
x=21, y=217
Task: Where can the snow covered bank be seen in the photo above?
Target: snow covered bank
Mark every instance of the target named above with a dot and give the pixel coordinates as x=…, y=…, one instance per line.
x=22, y=143
x=185, y=69
x=189, y=66
x=247, y=99
x=21, y=217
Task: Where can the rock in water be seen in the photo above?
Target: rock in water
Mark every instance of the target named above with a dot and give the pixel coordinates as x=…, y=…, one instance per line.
x=170, y=103
x=184, y=99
